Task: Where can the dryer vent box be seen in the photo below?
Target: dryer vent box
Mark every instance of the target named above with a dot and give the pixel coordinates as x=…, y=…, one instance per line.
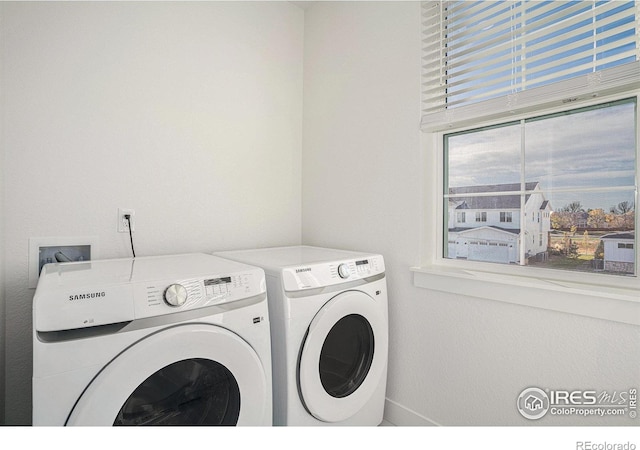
x=51, y=250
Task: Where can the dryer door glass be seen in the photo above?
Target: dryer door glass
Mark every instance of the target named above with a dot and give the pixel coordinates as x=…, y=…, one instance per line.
x=190, y=392
x=346, y=355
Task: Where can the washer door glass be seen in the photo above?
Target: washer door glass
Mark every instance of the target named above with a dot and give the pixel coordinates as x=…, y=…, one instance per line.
x=346, y=355
x=190, y=392
x=181, y=375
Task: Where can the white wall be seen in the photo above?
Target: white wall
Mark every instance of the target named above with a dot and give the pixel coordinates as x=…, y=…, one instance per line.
x=192, y=115
x=189, y=113
x=454, y=360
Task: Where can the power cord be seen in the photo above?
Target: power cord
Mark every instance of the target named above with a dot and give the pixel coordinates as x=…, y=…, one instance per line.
x=128, y=217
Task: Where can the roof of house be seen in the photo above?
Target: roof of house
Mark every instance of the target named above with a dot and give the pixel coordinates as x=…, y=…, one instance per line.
x=620, y=235
x=492, y=201
x=505, y=230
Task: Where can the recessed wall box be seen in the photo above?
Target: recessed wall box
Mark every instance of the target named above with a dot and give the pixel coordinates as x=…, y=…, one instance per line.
x=58, y=249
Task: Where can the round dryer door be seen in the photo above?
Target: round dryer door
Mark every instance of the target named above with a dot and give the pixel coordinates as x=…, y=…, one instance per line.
x=193, y=374
x=343, y=357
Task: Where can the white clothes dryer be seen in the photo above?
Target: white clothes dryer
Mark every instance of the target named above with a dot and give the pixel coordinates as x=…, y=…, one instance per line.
x=329, y=333
x=167, y=340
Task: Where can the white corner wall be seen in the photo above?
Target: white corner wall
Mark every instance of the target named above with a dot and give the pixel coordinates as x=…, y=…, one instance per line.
x=2, y=237
x=190, y=113
x=454, y=360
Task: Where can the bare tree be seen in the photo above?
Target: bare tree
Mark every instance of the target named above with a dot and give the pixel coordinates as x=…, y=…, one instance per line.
x=573, y=207
x=623, y=207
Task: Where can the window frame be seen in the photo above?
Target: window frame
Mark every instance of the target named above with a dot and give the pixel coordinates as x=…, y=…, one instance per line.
x=578, y=293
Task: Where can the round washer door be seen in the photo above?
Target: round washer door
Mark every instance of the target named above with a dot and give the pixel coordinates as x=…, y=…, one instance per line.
x=343, y=356
x=194, y=374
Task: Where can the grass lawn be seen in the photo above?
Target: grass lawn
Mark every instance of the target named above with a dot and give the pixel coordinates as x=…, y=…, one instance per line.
x=582, y=262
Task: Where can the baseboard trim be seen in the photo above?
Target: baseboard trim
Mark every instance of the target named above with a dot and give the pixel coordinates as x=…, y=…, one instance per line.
x=402, y=416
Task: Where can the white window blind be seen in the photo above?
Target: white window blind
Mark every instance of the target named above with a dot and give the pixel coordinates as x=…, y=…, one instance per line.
x=489, y=59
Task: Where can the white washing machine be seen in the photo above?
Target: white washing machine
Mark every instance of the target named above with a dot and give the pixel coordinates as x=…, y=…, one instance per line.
x=329, y=333
x=169, y=340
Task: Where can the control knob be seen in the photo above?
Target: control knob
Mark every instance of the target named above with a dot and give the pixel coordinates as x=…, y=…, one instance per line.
x=343, y=271
x=175, y=295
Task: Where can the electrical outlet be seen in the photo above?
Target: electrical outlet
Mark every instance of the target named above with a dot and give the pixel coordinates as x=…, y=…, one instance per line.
x=123, y=223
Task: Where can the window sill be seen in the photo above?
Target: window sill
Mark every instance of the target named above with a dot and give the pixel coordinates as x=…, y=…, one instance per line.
x=602, y=302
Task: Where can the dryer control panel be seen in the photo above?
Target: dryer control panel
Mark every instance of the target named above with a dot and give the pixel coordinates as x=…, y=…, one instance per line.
x=325, y=274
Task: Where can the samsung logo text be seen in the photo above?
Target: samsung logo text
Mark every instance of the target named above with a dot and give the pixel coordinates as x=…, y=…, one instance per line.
x=87, y=296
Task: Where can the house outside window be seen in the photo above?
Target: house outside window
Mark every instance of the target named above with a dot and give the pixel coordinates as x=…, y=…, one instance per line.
x=618, y=252
x=579, y=185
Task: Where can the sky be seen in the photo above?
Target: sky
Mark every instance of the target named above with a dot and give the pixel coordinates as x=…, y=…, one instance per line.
x=593, y=149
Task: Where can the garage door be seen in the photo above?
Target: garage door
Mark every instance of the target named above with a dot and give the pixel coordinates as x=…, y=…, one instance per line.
x=489, y=251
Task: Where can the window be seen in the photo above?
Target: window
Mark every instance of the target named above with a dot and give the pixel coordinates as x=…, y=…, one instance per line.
x=579, y=164
x=461, y=217
x=503, y=75
x=504, y=84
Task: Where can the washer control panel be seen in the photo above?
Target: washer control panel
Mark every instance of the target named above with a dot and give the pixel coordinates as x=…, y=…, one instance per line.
x=157, y=298
x=331, y=273
x=81, y=295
